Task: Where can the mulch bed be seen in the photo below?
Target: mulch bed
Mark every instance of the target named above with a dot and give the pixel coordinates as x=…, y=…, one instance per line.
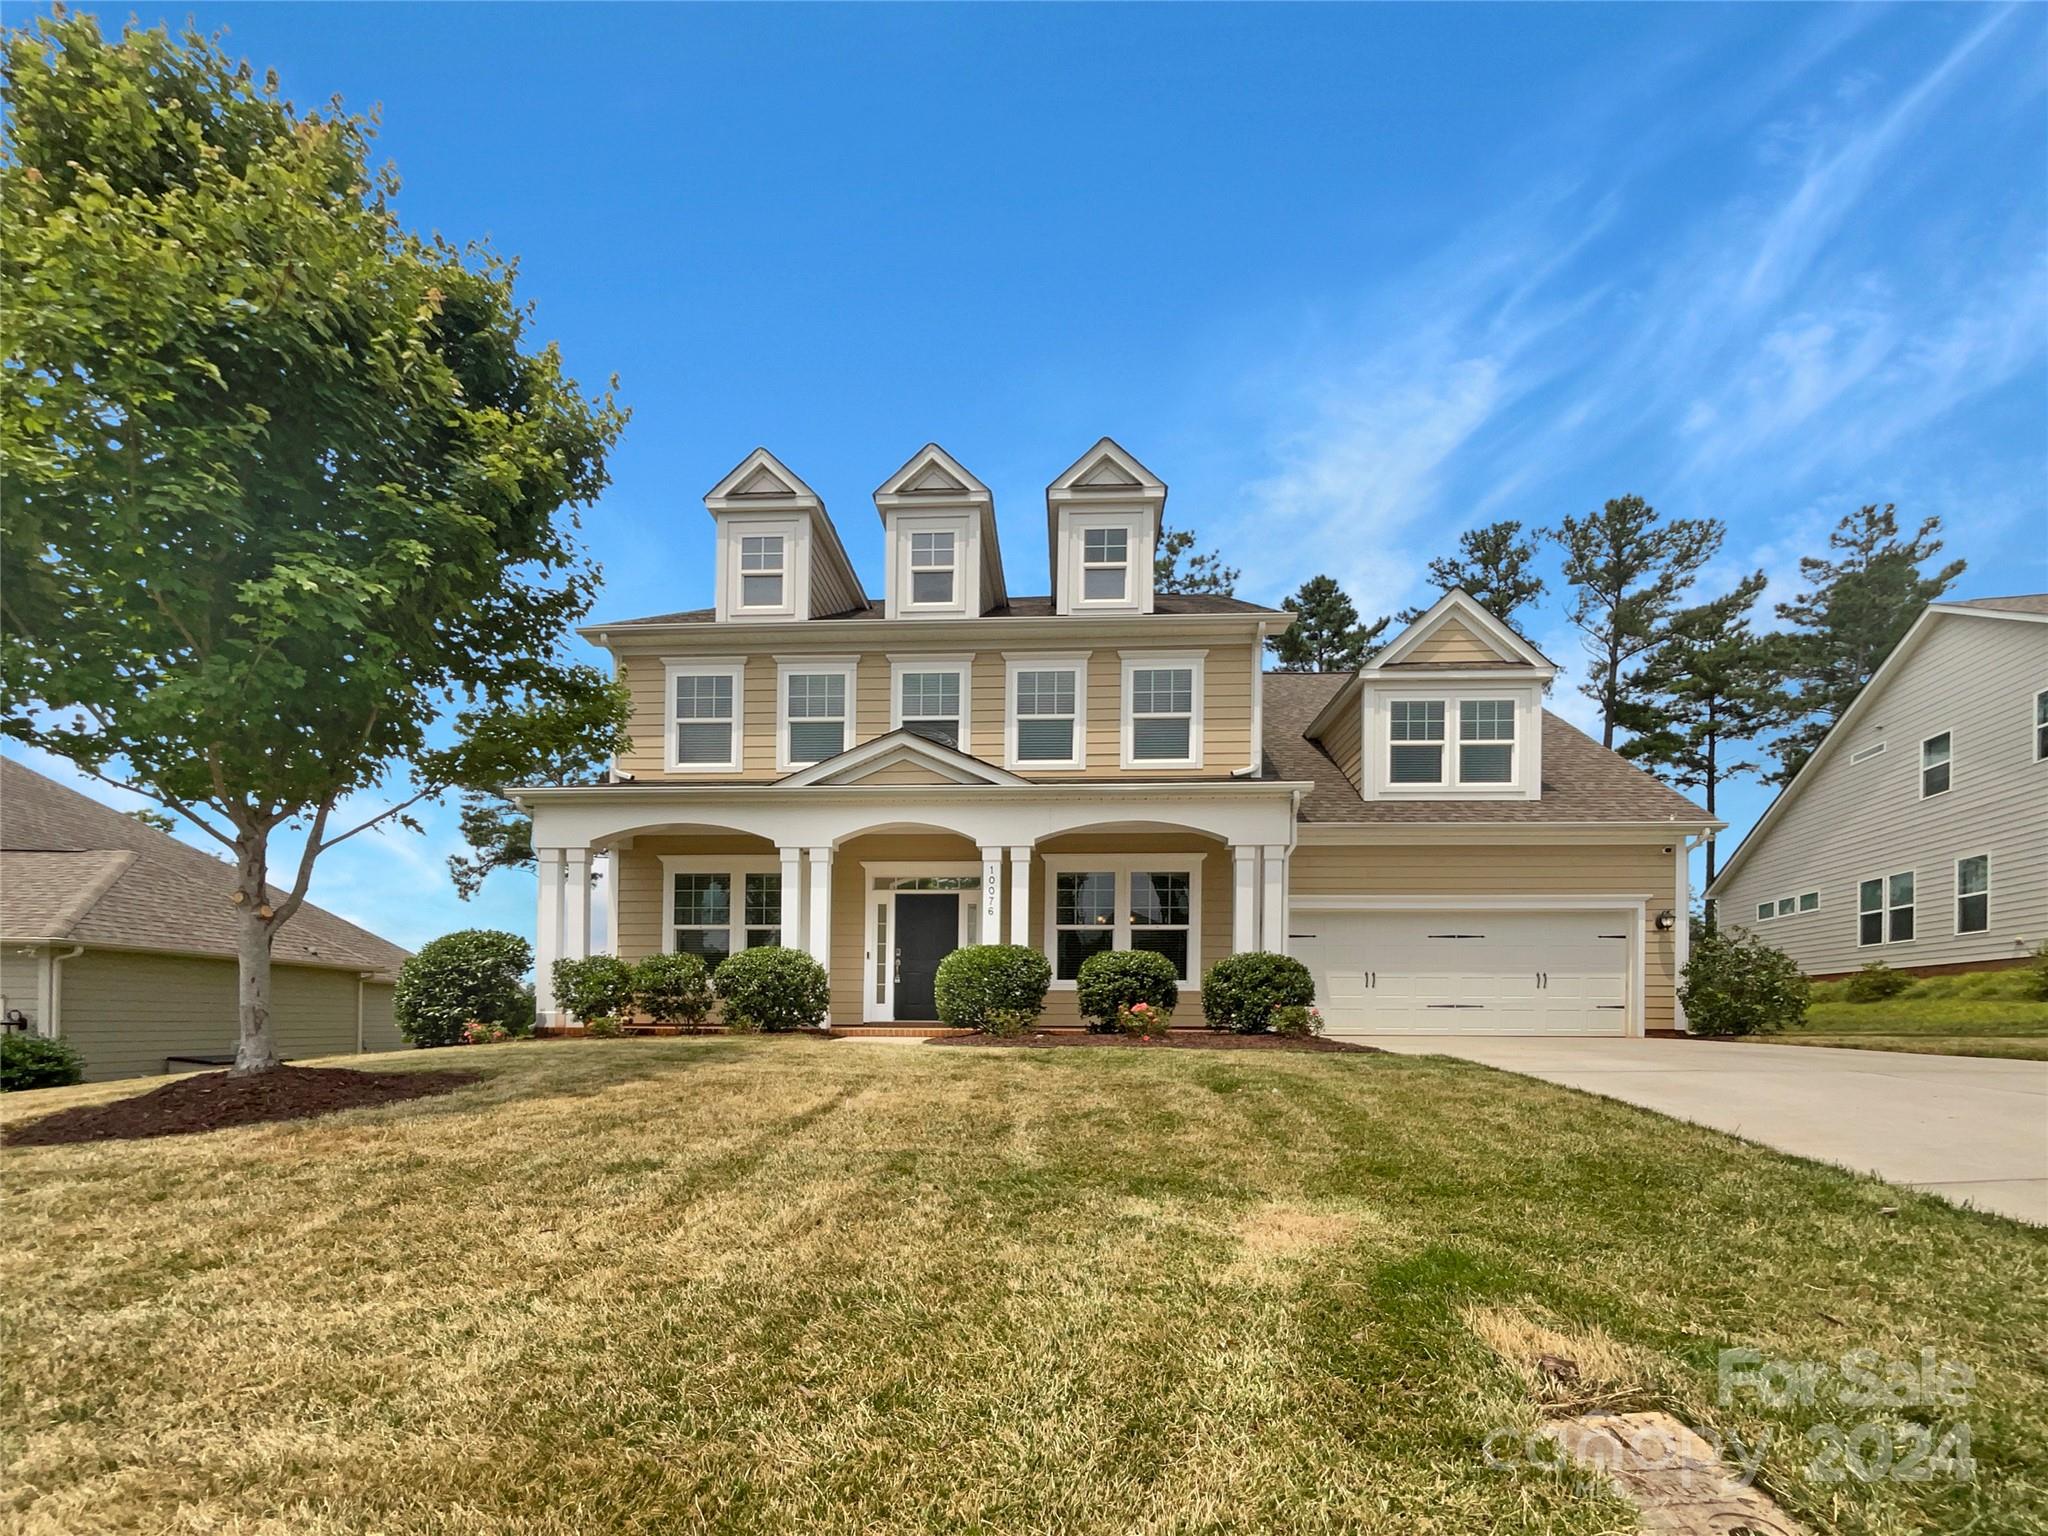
x=1179, y=1040
x=214, y=1101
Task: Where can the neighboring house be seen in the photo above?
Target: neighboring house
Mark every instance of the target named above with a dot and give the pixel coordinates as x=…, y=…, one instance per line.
x=881, y=780
x=1917, y=833
x=121, y=939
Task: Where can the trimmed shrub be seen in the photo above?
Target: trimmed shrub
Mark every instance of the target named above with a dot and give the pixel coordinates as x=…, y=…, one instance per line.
x=1143, y=1020
x=1297, y=1021
x=771, y=987
x=1875, y=982
x=1115, y=979
x=595, y=987
x=603, y=1027
x=1240, y=992
x=36, y=1061
x=1735, y=984
x=472, y=976
x=1008, y=1023
x=673, y=988
x=2037, y=974
x=976, y=983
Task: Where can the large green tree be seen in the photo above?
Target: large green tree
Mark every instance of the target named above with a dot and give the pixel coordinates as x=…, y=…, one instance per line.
x=1178, y=566
x=287, y=517
x=1860, y=600
x=1495, y=565
x=1703, y=696
x=1628, y=569
x=1326, y=635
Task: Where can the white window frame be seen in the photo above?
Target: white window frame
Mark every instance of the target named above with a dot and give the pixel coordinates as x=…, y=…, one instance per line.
x=1136, y=524
x=676, y=667
x=1513, y=743
x=1766, y=911
x=1803, y=908
x=1123, y=866
x=1445, y=745
x=2040, y=734
x=1122, y=567
x=1886, y=909
x=1134, y=662
x=782, y=572
x=1948, y=762
x=1015, y=662
x=912, y=569
x=735, y=867
x=1960, y=930
x=787, y=667
x=902, y=665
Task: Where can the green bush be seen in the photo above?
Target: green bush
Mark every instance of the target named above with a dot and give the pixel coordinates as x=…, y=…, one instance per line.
x=1297, y=1021
x=36, y=1061
x=1876, y=982
x=604, y=1027
x=1008, y=1023
x=1115, y=979
x=673, y=988
x=2037, y=975
x=1142, y=1020
x=473, y=976
x=595, y=987
x=1240, y=992
x=770, y=987
x=1735, y=984
x=982, y=980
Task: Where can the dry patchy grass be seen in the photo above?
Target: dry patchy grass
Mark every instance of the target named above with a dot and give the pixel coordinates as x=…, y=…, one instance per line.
x=647, y=1286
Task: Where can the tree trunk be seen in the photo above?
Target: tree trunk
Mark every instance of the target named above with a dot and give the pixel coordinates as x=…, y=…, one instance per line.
x=256, y=1046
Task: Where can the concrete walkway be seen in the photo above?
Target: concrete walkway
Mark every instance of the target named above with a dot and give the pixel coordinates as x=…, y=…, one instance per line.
x=1971, y=1128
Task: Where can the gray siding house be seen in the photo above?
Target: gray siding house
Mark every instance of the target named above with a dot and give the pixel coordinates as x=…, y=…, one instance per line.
x=1917, y=834
x=120, y=939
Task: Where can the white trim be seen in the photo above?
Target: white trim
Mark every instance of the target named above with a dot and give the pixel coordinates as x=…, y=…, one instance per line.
x=787, y=667
x=1461, y=605
x=677, y=667
x=1244, y=897
x=1045, y=661
x=847, y=769
x=1681, y=932
x=1122, y=866
x=1359, y=834
x=1949, y=763
x=1375, y=725
x=818, y=913
x=1273, y=923
x=1886, y=908
x=735, y=867
x=1196, y=662
x=1138, y=525
x=961, y=665
x=1020, y=897
x=2036, y=726
x=1957, y=913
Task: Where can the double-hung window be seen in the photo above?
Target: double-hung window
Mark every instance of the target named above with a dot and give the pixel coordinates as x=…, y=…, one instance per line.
x=1084, y=919
x=1486, y=741
x=1123, y=902
x=1973, y=894
x=716, y=909
x=1161, y=908
x=930, y=705
x=1935, y=753
x=1416, y=730
x=1046, y=704
x=933, y=568
x=816, y=718
x=1105, y=565
x=1884, y=910
x=764, y=909
x=763, y=571
x=704, y=715
x=1162, y=711
x=703, y=915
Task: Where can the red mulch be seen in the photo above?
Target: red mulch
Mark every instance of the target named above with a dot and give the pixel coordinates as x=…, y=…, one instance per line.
x=213, y=1101
x=1179, y=1040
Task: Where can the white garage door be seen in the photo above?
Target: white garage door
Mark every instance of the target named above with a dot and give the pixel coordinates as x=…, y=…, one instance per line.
x=1484, y=973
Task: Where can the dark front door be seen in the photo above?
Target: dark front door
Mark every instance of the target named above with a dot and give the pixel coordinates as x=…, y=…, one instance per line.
x=927, y=930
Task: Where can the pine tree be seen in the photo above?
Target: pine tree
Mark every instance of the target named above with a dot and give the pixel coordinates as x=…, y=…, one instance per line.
x=1495, y=566
x=1327, y=637
x=1204, y=572
x=1705, y=693
x=1859, y=604
x=1629, y=569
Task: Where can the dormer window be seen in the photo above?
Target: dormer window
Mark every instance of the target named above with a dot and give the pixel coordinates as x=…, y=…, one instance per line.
x=1105, y=565
x=1486, y=741
x=1416, y=727
x=763, y=570
x=933, y=568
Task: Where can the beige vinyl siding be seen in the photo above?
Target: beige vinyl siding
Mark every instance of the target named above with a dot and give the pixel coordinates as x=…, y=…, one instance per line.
x=1642, y=870
x=126, y=1012
x=1452, y=642
x=21, y=983
x=1972, y=676
x=904, y=773
x=636, y=884
x=1343, y=739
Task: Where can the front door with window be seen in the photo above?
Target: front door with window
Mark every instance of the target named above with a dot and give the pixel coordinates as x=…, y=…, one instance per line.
x=927, y=930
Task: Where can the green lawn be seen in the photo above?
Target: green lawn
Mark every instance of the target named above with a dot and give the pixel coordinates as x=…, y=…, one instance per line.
x=1988, y=1013
x=766, y=1285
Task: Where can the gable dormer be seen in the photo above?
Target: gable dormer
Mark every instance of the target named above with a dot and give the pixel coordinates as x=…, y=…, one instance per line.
x=1102, y=525
x=779, y=557
x=1452, y=709
x=939, y=530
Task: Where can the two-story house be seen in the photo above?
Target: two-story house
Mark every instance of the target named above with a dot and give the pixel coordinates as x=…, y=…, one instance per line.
x=1917, y=833
x=881, y=779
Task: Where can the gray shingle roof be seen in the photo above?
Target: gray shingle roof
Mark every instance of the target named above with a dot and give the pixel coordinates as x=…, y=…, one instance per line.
x=1016, y=608
x=2027, y=602
x=1582, y=780
x=74, y=869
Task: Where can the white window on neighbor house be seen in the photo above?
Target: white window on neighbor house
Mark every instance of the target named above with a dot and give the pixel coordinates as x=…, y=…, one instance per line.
x=1486, y=741
x=1105, y=565
x=2041, y=726
x=1884, y=910
x=1810, y=901
x=1973, y=894
x=704, y=715
x=1415, y=731
x=763, y=569
x=932, y=704
x=1766, y=910
x=1935, y=753
x=1047, y=704
x=816, y=702
x=1131, y=902
x=716, y=907
x=1162, y=711
x=1785, y=906
x=934, y=568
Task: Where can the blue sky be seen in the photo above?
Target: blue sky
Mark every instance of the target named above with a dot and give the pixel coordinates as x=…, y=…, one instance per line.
x=1348, y=279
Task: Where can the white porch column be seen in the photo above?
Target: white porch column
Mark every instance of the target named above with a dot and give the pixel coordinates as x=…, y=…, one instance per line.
x=576, y=903
x=1020, y=896
x=1681, y=936
x=792, y=897
x=547, y=934
x=1244, y=897
x=991, y=929
x=819, y=927
x=1273, y=909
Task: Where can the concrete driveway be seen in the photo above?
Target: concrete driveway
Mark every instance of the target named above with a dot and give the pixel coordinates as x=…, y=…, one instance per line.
x=1971, y=1128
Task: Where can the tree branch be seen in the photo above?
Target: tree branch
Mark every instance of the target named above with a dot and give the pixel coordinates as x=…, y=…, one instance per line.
x=384, y=815
x=296, y=898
